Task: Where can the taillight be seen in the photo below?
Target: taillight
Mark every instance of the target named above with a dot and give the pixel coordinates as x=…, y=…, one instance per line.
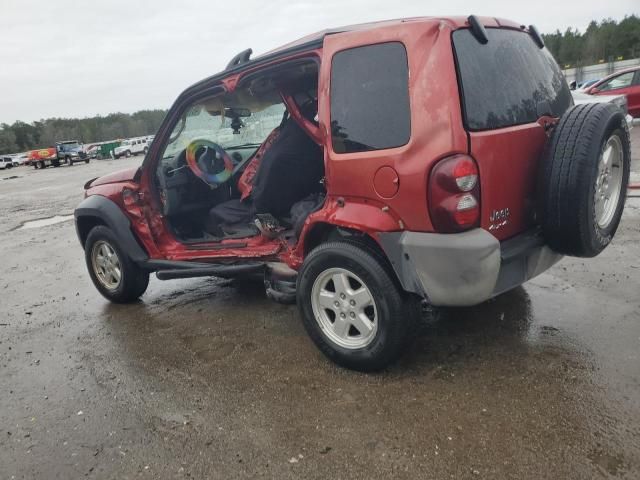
x=454, y=194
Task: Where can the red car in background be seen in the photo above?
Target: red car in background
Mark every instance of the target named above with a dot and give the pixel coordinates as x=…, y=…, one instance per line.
x=625, y=82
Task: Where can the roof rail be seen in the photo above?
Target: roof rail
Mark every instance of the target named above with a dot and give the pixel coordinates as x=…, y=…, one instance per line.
x=477, y=29
x=239, y=59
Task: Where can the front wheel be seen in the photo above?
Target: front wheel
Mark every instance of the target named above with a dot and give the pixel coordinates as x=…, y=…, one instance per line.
x=127, y=154
x=352, y=308
x=113, y=273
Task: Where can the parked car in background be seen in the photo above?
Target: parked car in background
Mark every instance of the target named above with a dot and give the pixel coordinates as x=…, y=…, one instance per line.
x=618, y=100
x=69, y=152
x=625, y=82
x=132, y=146
x=92, y=151
x=6, y=163
x=587, y=84
x=20, y=159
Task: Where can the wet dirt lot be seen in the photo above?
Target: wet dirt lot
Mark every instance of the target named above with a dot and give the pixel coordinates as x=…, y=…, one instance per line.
x=206, y=378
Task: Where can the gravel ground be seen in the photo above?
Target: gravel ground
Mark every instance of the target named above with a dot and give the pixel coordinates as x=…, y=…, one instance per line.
x=206, y=378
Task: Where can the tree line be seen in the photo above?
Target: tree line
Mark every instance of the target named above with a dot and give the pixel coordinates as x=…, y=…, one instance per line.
x=601, y=42
x=21, y=136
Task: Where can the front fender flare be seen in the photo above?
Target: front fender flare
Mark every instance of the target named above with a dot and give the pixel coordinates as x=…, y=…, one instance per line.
x=111, y=215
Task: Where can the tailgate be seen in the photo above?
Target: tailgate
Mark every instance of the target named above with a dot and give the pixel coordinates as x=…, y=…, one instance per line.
x=509, y=87
x=508, y=161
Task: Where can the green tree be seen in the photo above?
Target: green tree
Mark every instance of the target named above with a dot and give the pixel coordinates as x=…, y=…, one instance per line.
x=601, y=41
x=23, y=136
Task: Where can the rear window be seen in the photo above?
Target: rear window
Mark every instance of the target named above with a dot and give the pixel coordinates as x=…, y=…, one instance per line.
x=370, y=98
x=508, y=81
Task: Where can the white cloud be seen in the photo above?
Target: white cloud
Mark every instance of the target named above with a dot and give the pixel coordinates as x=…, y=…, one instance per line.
x=69, y=58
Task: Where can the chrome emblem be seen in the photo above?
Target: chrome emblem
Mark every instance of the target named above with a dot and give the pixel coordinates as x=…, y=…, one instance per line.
x=499, y=218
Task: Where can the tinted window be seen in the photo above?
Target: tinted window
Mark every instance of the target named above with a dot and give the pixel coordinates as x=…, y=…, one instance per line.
x=370, y=98
x=507, y=81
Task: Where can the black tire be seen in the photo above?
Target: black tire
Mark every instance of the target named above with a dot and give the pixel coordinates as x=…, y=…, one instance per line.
x=134, y=280
x=35, y=165
x=127, y=154
x=567, y=206
x=395, y=314
x=55, y=163
x=9, y=165
x=68, y=161
x=86, y=161
x=146, y=150
x=41, y=165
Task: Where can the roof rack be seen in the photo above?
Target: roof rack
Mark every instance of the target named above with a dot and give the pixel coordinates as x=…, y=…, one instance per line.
x=239, y=59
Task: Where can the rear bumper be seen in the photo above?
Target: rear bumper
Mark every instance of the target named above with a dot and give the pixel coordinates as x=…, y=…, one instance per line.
x=465, y=268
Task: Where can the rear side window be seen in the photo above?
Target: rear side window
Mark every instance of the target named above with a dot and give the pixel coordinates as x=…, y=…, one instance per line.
x=370, y=98
x=508, y=81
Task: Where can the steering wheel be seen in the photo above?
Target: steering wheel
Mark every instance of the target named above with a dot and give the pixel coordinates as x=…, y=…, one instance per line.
x=209, y=162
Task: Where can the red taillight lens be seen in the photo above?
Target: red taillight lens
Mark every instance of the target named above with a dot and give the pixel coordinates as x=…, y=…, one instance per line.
x=454, y=194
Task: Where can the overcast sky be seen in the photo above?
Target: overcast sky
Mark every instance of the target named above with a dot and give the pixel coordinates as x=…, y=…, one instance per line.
x=66, y=58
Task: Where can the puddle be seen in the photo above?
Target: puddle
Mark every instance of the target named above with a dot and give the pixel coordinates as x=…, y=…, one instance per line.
x=44, y=222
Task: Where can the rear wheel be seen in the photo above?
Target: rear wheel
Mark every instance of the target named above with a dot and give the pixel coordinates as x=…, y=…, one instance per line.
x=113, y=273
x=584, y=178
x=41, y=164
x=352, y=308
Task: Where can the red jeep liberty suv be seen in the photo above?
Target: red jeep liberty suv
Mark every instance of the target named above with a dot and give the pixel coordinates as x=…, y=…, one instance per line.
x=366, y=170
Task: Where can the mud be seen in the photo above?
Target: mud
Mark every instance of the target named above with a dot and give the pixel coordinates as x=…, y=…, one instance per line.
x=206, y=378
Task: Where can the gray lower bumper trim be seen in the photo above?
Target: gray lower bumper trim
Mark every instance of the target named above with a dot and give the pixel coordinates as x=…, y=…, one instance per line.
x=463, y=269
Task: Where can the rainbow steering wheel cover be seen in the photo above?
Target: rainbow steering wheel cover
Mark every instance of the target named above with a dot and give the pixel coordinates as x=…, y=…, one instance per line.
x=209, y=178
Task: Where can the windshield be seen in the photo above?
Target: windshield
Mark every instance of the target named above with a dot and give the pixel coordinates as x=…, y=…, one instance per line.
x=200, y=124
x=69, y=146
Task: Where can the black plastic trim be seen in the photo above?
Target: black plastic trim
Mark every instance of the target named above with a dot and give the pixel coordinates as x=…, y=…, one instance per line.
x=537, y=38
x=224, y=271
x=240, y=58
x=520, y=244
x=477, y=29
x=113, y=217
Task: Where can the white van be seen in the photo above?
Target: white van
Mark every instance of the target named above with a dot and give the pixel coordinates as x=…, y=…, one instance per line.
x=132, y=146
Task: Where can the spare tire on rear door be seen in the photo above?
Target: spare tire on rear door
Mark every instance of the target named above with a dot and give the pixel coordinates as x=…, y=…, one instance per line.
x=584, y=178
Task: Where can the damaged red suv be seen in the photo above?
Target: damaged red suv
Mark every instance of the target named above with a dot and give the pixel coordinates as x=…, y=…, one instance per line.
x=366, y=170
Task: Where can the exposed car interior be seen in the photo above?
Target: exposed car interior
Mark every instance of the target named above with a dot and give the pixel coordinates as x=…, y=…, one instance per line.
x=243, y=163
